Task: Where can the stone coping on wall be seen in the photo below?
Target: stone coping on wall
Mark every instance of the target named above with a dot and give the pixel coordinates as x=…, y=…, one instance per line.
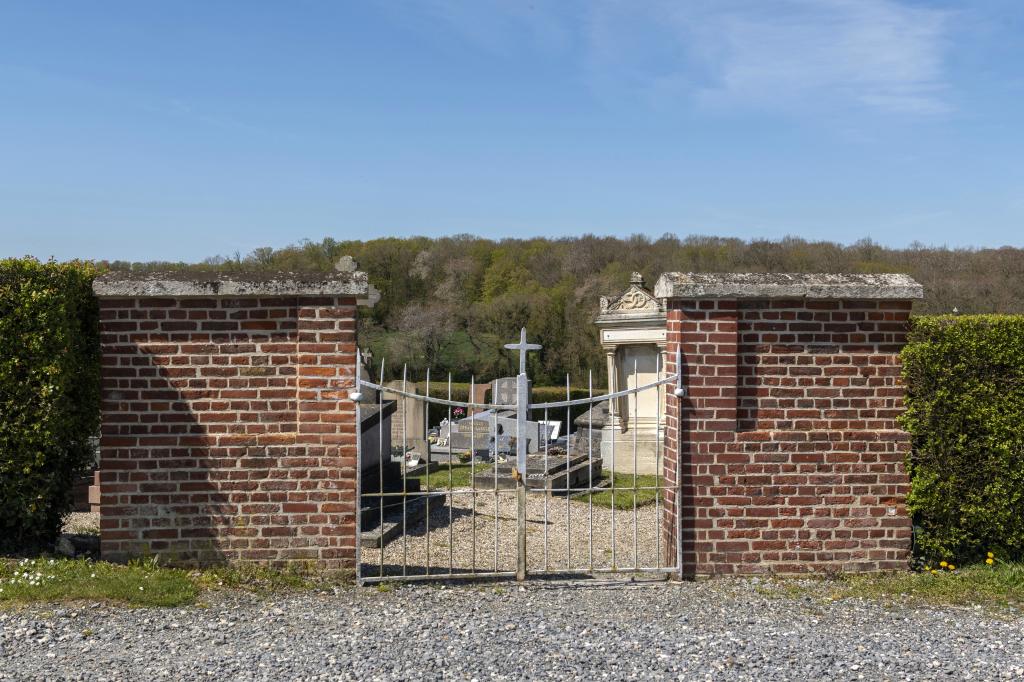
x=694, y=285
x=237, y=284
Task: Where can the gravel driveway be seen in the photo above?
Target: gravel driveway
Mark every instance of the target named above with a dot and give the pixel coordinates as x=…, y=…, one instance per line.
x=716, y=630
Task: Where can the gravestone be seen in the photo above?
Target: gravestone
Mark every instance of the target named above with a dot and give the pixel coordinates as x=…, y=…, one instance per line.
x=408, y=427
x=477, y=430
x=504, y=390
x=589, y=430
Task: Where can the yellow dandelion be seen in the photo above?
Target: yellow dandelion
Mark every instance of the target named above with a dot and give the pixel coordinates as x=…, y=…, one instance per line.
x=991, y=555
x=943, y=564
x=989, y=561
x=927, y=568
x=951, y=567
x=934, y=572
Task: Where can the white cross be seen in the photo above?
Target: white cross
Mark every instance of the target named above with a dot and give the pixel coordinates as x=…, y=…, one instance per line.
x=522, y=347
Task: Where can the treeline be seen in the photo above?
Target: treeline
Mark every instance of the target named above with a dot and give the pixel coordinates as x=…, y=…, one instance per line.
x=450, y=303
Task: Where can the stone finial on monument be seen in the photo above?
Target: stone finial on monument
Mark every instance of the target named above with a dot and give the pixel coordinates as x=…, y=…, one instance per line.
x=346, y=264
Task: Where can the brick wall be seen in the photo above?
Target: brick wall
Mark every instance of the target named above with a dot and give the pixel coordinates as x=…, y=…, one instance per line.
x=791, y=457
x=227, y=435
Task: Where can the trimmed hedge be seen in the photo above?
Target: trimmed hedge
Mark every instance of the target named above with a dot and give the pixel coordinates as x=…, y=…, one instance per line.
x=49, y=394
x=965, y=414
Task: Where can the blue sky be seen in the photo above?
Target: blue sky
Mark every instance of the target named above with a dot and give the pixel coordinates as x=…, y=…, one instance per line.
x=180, y=130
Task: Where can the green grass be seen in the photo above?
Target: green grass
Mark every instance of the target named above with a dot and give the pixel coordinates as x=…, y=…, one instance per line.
x=255, y=578
x=624, y=494
x=141, y=583
x=137, y=584
x=999, y=585
x=992, y=587
x=461, y=476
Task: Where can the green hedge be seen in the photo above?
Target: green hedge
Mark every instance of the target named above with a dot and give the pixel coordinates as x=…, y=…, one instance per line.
x=965, y=413
x=49, y=394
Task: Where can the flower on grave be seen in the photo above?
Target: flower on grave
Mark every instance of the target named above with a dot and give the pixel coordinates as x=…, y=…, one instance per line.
x=458, y=412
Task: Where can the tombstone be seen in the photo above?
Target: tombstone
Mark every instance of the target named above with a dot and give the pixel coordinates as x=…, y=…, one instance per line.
x=586, y=437
x=478, y=396
x=504, y=391
x=375, y=434
x=472, y=434
x=408, y=426
x=476, y=431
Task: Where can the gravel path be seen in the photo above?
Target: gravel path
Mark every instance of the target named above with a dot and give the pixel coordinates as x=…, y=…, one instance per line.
x=567, y=524
x=715, y=630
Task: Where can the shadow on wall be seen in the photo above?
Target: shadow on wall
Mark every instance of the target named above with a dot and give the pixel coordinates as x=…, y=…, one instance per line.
x=202, y=458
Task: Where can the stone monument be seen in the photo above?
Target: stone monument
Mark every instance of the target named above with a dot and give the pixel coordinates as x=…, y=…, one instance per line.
x=409, y=425
x=633, y=334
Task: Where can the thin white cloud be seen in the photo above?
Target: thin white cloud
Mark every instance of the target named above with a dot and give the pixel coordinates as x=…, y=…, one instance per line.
x=782, y=55
x=787, y=54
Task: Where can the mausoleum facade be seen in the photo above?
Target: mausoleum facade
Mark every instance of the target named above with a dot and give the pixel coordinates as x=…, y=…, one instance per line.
x=633, y=336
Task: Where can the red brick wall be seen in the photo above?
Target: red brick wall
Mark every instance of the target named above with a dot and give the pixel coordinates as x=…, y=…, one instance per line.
x=227, y=432
x=791, y=458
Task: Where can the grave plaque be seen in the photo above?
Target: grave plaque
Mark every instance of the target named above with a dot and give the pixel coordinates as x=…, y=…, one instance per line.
x=479, y=428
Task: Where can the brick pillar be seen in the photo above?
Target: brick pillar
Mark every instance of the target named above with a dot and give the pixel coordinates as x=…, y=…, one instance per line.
x=227, y=432
x=790, y=456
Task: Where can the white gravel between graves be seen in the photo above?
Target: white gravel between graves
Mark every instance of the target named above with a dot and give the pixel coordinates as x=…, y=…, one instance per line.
x=556, y=529
x=725, y=629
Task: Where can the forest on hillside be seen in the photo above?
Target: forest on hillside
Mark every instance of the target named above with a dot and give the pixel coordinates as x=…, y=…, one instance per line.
x=450, y=303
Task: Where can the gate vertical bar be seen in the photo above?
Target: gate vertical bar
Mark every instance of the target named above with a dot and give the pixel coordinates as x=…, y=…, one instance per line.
x=472, y=470
x=522, y=404
x=658, y=473
x=356, y=396
x=636, y=544
x=405, y=481
x=380, y=461
x=568, y=491
x=426, y=471
x=679, y=393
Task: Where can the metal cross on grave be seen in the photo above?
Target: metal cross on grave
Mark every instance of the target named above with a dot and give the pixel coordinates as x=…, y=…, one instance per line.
x=522, y=347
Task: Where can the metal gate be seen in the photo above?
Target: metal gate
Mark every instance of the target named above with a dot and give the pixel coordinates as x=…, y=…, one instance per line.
x=504, y=511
